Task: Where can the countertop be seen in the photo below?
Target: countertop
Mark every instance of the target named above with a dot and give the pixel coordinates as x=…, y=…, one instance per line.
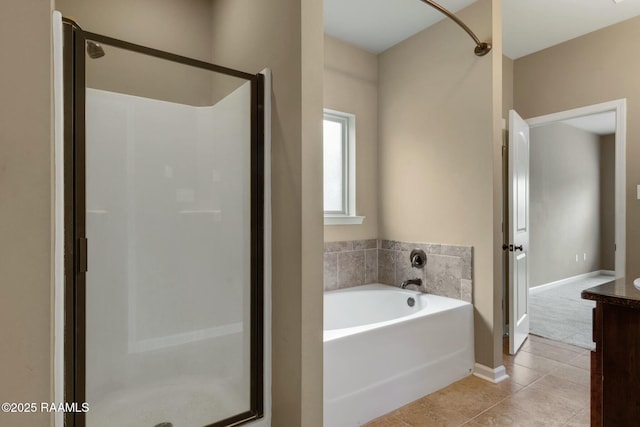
x=618, y=291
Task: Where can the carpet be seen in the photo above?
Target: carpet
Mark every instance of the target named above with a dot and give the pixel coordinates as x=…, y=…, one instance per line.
x=560, y=314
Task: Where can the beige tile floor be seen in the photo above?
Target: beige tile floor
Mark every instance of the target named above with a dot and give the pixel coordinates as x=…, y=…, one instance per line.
x=548, y=385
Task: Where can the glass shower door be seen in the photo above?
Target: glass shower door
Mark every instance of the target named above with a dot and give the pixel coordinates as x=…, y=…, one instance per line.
x=170, y=313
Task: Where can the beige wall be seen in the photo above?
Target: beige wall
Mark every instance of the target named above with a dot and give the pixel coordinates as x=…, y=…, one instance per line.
x=26, y=209
x=351, y=86
x=178, y=26
x=287, y=36
x=607, y=201
x=439, y=137
x=565, y=203
x=312, y=231
x=598, y=67
x=493, y=349
x=507, y=87
x=154, y=23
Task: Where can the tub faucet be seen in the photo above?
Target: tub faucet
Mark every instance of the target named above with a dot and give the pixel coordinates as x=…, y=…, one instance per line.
x=405, y=283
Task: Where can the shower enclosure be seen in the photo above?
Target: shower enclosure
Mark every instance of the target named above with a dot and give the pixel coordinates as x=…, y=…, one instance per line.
x=163, y=232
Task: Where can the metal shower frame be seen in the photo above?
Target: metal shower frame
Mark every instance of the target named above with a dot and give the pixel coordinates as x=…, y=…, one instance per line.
x=75, y=241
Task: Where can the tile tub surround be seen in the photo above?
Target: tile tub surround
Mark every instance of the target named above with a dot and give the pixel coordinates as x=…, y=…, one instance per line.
x=350, y=263
x=449, y=269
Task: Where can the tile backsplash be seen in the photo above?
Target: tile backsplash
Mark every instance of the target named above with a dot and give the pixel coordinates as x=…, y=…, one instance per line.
x=350, y=263
x=449, y=269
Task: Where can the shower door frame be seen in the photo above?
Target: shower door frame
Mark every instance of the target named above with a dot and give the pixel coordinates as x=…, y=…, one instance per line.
x=75, y=241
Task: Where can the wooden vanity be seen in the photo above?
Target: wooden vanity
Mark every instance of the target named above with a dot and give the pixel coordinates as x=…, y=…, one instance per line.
x=615, y=363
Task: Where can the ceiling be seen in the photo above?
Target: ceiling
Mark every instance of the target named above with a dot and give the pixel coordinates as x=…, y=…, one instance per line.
x=528, y=25
x=600, y=124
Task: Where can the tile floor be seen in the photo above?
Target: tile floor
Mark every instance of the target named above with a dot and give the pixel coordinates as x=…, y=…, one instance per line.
x=548, y=385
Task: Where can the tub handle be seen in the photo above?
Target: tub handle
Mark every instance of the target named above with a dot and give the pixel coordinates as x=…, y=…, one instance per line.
x=418, y=258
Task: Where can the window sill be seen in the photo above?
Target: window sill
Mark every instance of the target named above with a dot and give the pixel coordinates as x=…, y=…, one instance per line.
x=343, y=220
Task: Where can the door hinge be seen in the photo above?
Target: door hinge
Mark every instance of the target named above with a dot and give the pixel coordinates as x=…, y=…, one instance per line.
x=82, y=255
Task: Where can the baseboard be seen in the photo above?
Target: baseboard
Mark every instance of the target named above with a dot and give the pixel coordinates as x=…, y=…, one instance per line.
x=493, y=375
x=561, y=282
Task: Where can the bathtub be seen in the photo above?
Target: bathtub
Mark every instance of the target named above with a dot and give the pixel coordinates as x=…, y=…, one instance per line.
x=380, y=353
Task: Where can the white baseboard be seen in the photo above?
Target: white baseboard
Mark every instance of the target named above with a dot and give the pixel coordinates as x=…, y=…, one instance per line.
x=494, y=375
x=561, y=282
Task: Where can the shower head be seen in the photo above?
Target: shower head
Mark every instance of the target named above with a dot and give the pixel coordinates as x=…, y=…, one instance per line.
x=94, y=50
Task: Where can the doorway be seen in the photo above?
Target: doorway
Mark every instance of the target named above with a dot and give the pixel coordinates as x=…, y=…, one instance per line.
x=617, y=109
x=608, y=121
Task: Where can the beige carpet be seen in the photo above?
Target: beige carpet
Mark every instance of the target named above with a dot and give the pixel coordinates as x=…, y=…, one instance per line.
x=560, y=314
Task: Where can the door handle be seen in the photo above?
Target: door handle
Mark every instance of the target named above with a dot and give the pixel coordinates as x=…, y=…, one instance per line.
x=512, y=248
x=518, y=248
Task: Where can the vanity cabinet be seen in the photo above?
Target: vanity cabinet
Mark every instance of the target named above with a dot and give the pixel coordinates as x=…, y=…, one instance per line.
x=615, y=363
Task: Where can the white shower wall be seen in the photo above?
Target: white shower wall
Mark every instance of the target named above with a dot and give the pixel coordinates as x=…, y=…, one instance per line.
x=168, y=225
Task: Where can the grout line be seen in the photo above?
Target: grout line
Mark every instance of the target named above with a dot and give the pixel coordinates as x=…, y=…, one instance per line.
x=517, y=391
x=510, y=395
x=587, y=410
x=337, y=271
x=552, y=343
x=395, y=269
x=493, y=406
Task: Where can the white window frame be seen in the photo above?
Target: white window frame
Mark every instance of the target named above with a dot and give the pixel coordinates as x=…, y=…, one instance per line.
x=348, y=216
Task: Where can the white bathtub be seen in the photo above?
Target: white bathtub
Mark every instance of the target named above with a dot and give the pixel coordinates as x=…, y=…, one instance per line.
x=380, y=354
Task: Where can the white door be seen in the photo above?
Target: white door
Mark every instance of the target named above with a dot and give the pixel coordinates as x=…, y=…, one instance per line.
x=518, y=231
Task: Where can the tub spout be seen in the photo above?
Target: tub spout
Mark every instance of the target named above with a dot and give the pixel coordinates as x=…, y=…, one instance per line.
x=416, y=282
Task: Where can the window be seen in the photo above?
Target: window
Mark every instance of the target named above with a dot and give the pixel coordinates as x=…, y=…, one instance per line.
x=339, y=169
